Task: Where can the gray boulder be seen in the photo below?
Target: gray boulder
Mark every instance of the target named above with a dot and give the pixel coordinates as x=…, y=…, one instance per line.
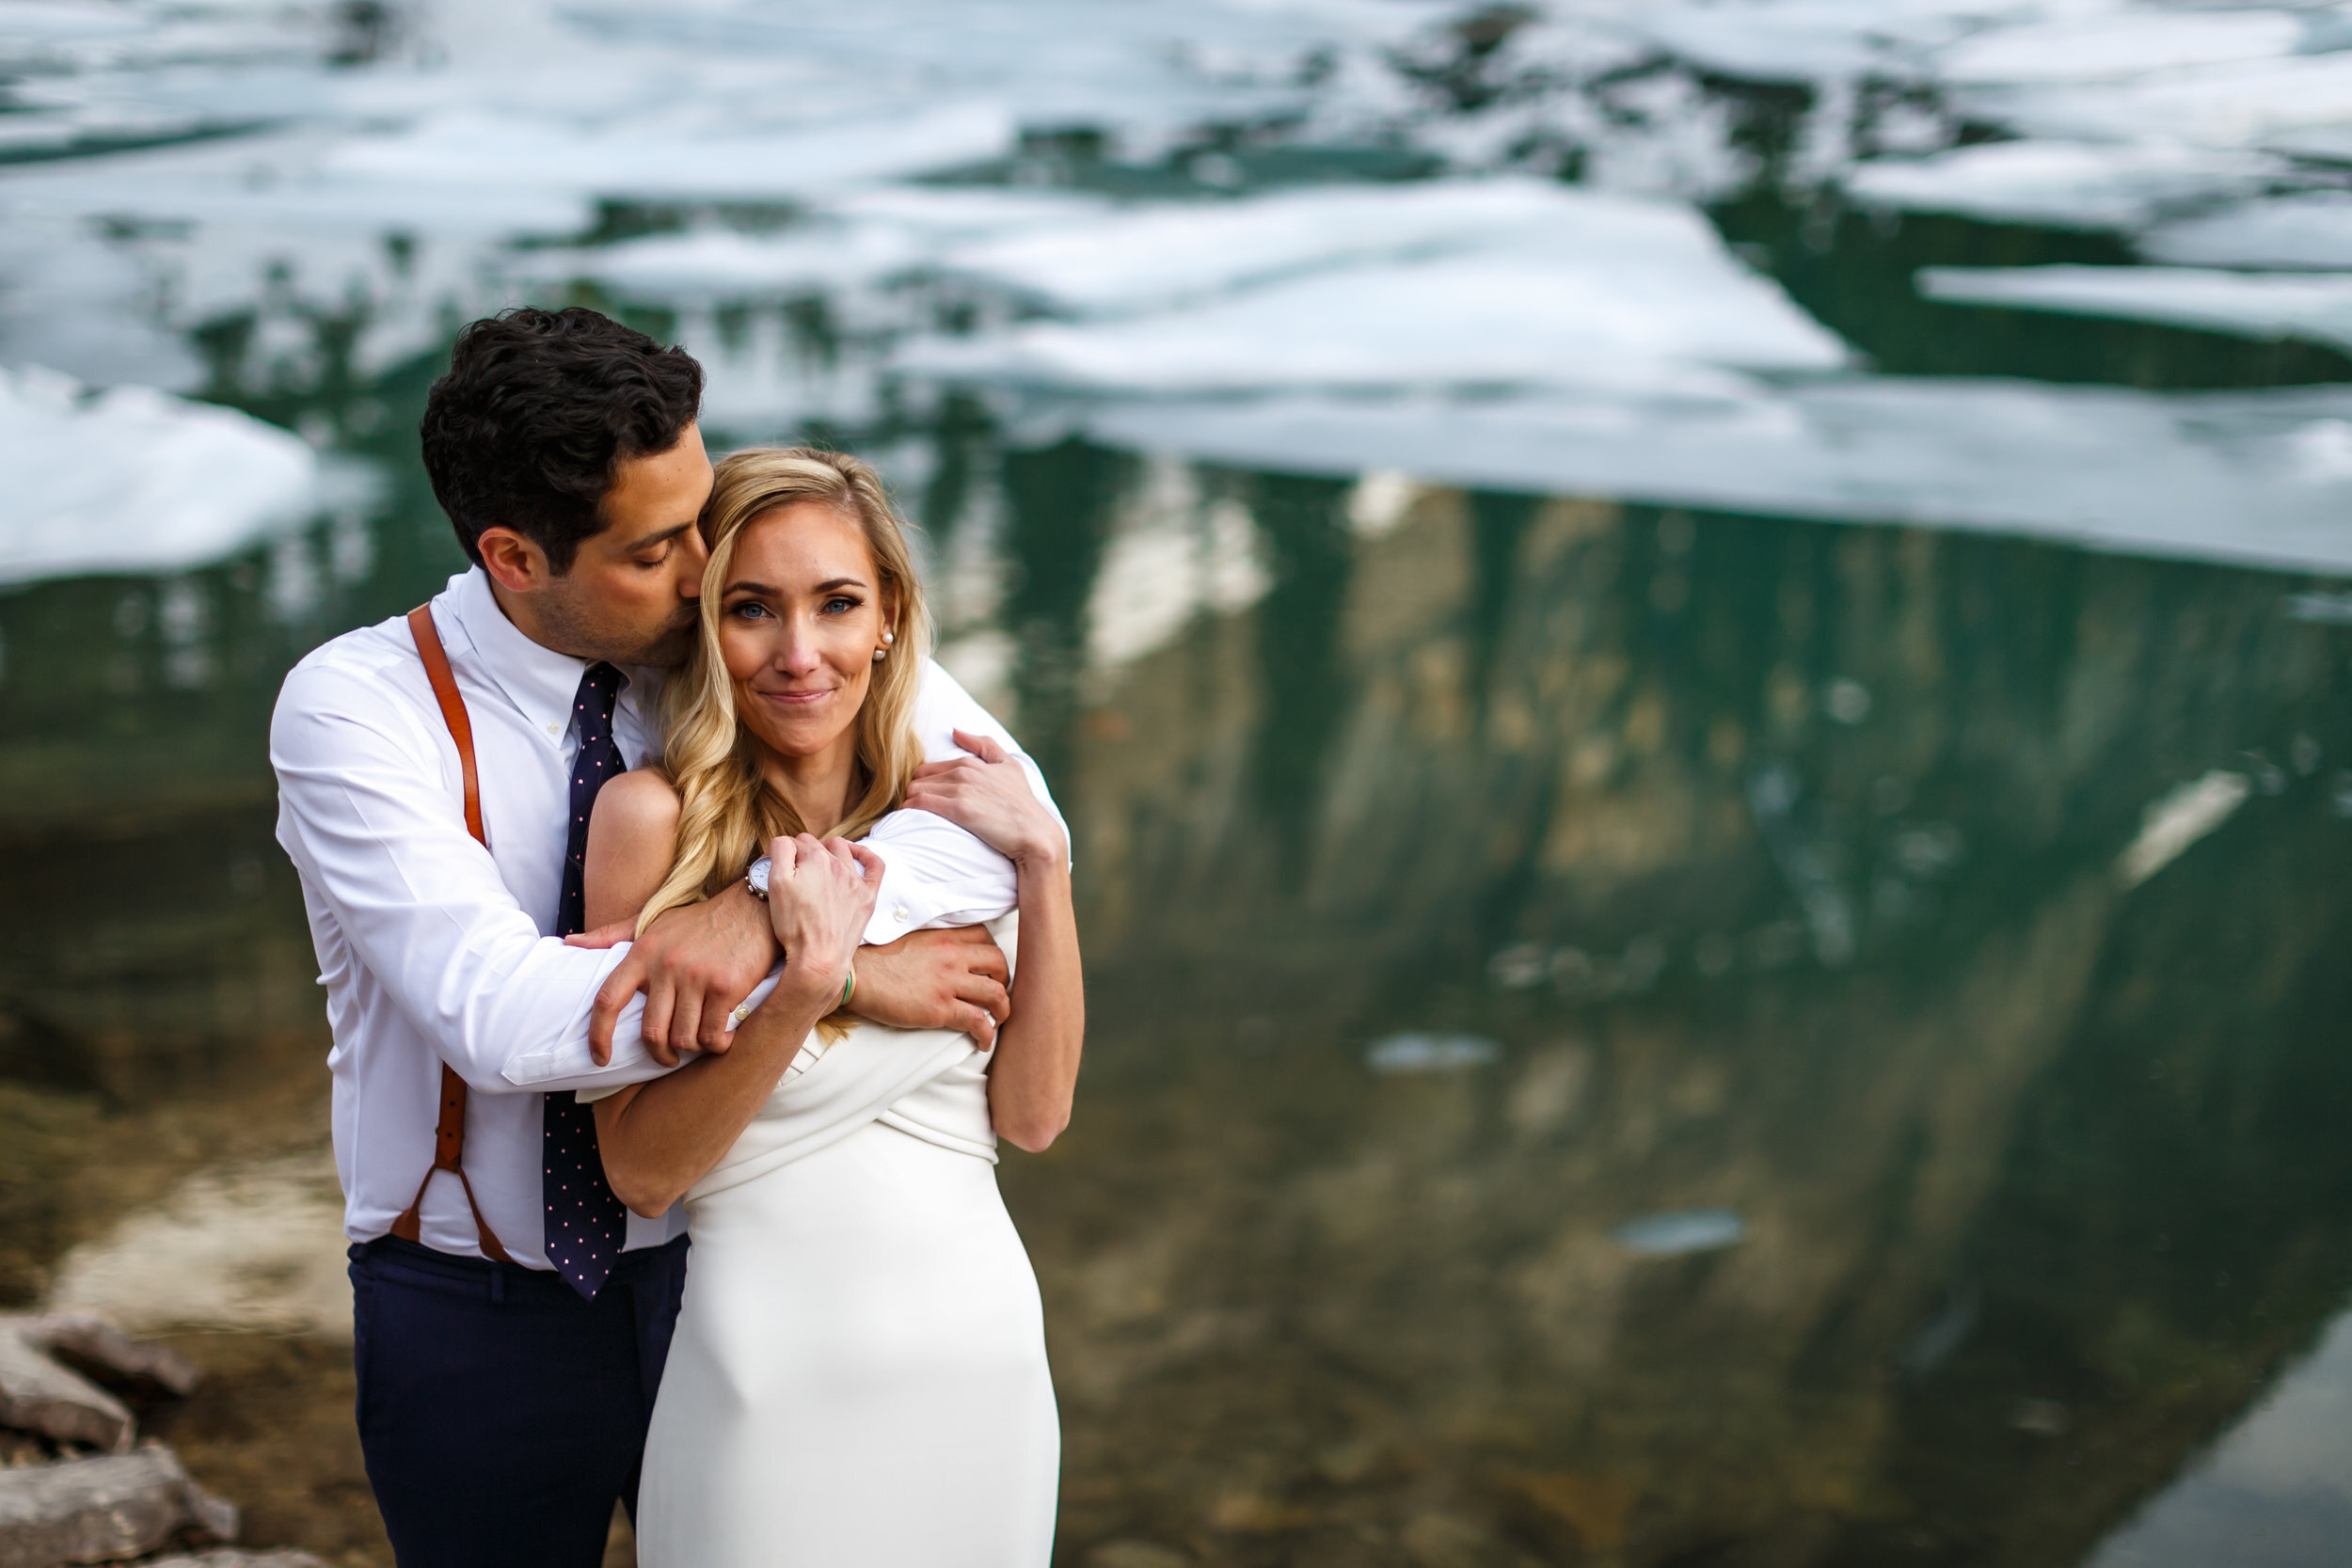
x=41, y=1392
x=103, y=1509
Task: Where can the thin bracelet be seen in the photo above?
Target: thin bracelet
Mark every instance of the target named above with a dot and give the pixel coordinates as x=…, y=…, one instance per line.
x=849, y=989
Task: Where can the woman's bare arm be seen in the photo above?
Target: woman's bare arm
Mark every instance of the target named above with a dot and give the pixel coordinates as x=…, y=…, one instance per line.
x=632, y=840
x=1034, y=1074
x=659, y=1138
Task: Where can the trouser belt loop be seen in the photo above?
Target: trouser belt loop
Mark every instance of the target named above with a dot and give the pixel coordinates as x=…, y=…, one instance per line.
x=498, y=1284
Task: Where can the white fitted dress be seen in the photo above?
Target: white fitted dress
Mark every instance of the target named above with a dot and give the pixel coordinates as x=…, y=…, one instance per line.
x=859, y=1375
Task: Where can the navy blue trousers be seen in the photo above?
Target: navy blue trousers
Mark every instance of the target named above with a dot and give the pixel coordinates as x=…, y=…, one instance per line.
x=501, y=1416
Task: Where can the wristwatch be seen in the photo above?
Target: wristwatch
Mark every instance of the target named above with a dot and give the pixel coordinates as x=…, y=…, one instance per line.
x=756, y=879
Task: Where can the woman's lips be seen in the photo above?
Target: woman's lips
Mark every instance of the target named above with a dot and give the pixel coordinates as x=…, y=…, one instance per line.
x=798, y=698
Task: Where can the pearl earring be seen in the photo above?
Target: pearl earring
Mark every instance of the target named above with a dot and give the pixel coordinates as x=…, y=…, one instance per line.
x=881, y=654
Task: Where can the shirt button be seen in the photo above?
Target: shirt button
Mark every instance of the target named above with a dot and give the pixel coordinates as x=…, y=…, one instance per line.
x=900, y=914
x=555, y=729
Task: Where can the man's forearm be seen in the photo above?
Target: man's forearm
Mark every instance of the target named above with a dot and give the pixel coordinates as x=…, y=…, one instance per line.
x=569, y=1062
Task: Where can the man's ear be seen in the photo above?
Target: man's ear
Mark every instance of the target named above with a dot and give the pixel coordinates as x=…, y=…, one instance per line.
x=514, y=562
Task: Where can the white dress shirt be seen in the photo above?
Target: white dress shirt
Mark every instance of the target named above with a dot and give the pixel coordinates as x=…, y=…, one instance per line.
x=432, y=949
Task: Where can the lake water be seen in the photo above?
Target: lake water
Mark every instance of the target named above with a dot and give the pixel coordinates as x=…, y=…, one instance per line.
x=1713, y=868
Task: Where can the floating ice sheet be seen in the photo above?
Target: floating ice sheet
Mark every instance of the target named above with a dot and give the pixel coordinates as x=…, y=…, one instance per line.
x=2260, y=478
x=1149, y=70
x=1506, y=283
x=1170, y=253
x=859, y=240
x=1453, y=322
x=2234, y=104
x=104, y=267
x=2064, y=185
x=2246, y=305
x=2122, y=43
x=2309, y=229
x=392, y=190
x=135, y=481
x=396, y=192
x=1167, y=254
x=1798, y=40
x=470, y=149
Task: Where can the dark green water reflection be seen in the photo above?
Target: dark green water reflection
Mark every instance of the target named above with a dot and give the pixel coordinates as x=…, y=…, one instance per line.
x=1778, y=862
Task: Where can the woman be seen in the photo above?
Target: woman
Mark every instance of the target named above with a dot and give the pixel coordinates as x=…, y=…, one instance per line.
x=859, y=1373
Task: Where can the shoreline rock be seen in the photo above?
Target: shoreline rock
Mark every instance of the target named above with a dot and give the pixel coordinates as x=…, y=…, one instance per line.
x=64, y=1382
x=105, y=1508
x=44, y=1389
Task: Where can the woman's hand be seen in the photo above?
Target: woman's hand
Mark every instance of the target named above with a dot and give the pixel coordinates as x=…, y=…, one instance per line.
x=821, y=894
x=987, y=794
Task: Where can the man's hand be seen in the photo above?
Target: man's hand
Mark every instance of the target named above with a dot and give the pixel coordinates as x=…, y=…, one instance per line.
x=695, y=964
x=951, y=979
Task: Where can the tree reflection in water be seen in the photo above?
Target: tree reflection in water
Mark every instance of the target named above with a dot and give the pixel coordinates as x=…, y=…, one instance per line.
x=1780, y=860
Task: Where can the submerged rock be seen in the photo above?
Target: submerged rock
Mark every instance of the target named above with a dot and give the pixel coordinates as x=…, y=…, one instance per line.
x=1419, y=1053
x=1673, y=1235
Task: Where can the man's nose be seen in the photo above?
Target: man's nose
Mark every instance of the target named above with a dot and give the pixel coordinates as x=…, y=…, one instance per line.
x=693, y=556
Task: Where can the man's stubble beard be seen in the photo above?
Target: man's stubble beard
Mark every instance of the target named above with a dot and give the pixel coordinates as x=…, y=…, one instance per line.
x=587, y=636
x=670, y=649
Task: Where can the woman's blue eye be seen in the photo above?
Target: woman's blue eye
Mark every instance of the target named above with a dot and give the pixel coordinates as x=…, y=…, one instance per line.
x=749, y=609
x=840, y=604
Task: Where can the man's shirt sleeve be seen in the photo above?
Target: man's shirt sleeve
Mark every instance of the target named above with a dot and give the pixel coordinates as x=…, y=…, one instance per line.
x=369, y=821
x=934, y=874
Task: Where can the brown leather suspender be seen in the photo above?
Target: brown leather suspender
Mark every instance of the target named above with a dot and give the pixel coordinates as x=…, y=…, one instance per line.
x=449, y=1138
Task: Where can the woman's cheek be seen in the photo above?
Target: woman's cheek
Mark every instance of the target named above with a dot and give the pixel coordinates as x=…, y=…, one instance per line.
x=853, y=654
x=740, y=653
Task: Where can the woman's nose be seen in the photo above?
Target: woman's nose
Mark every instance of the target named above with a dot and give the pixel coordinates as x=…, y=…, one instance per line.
x=797, y=651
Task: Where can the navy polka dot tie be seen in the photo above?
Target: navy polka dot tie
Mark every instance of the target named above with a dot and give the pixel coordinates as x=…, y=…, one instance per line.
x=586, y=1223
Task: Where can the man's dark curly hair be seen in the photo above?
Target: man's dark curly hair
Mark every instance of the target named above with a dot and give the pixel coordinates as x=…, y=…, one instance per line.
x=538, y=410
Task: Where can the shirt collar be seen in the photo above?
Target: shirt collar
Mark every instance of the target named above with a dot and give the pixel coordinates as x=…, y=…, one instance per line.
x=540, y=682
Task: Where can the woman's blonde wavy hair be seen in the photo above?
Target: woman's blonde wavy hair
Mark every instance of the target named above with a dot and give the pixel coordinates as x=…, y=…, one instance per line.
x=728, y=809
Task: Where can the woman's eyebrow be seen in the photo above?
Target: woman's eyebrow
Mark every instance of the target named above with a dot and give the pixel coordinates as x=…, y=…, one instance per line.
x=763, y=589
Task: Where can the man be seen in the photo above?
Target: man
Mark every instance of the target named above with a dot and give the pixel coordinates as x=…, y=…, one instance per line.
x=504, y=1398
